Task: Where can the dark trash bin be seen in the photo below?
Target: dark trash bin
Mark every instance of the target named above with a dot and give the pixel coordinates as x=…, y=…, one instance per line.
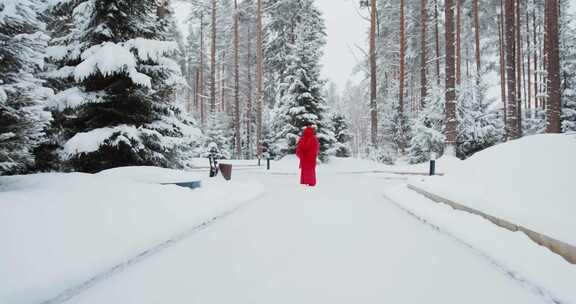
x=226, y=170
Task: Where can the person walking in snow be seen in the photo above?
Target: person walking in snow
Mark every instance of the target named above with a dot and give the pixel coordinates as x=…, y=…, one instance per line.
x=307, y=151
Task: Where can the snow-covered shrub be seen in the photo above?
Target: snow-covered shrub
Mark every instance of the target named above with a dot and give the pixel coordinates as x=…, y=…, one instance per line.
x=428, y=136
x=478, y=126
x=341, y=131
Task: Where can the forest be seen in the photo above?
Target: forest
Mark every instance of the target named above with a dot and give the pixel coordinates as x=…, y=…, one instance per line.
x=88, y=85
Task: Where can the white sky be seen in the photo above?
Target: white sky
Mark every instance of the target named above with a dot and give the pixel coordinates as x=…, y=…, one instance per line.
x=345, y=28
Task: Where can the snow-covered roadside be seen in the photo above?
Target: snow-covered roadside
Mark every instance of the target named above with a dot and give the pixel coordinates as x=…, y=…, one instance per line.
x=513, y=252
x=58, y=230
x=527, y=182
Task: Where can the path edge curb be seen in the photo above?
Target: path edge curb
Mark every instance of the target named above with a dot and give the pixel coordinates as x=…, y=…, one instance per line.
x=563, y=249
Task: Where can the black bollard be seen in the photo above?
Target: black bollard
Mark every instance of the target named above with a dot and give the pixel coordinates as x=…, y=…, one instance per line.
x=268, y=164
x=258, y=162
x=432, y=167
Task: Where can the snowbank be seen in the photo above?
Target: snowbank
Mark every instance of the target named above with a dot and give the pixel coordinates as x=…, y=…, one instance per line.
x=58, y=230
x=512, y=252
x=526, y=181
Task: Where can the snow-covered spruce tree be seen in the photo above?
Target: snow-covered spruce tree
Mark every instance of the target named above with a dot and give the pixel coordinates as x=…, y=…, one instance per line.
x=303, y=103
x=428, y=130
x=118, y=108
x=478, y=128
x=280, y=34
x=340, y=128
x=219, y=130
x=22, y=94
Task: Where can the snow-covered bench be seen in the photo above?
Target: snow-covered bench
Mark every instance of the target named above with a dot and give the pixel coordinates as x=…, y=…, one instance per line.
x=188, y=184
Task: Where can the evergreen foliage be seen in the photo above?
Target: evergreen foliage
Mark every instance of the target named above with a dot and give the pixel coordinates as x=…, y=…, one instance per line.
x=340, y=128
x=302, y=103
x=22, y=93
x=118, y=108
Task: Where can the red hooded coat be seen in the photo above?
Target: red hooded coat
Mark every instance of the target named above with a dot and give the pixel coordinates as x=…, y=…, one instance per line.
x=307, y=151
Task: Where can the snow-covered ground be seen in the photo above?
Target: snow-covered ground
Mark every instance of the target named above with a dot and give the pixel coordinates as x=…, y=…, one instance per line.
x=342, y=242
x=528, y=181
x=58, y=230
x=339, y=243
x=535, y=266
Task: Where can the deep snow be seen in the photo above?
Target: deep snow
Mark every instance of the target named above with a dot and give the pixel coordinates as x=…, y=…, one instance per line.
x=322, y=245
x=528, y=181
x=58, y=230
x=341, y=242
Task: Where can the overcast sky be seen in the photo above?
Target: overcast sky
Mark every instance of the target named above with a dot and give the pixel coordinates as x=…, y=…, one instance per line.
x=345, y=28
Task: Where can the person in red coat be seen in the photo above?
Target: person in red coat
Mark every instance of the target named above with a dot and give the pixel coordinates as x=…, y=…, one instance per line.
x=307, y=151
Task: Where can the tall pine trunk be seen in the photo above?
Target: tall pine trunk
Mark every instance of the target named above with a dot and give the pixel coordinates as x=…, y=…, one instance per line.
x=553, y=106
x=458, y=42
x=477, y=40
x=512, y=131
x=213, y=62
x=518, y=67
x=437, y=41
x=529, y=57
x=249, y=110
x=423, y=52
x=237, y=138
x=201, y=82
x=259, y=79
x=450, y=130
x=373, y=107
x=502, y=64
x=402, y=76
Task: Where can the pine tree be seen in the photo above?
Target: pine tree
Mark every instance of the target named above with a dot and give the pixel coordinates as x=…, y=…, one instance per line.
x=303, y=103
x=22, y=94
x=428, y=128
x=340, y=128
x=478, y=126
x=280, y=35
x=118, y=108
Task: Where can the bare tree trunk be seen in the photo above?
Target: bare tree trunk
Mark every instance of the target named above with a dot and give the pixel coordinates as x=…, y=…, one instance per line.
x=196, y=88
x=512, y=131
x=529, y=57
x=451, y=122
x=535, y=37
x=458, y=43
x=423, y=52
x=373, y=106
x=437, y=41
x=553, y=106
x=259, y=79
x=249, y=96
x=201, y=99
x=223, y=83
x=213, y=62
x=518, y=66
x=237, y=138
x=477, y=40
x=402, y=76
x=502, y=66
x=545, y=61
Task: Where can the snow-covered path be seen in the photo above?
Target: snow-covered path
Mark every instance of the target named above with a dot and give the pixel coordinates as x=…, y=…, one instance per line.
x=339, y=243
